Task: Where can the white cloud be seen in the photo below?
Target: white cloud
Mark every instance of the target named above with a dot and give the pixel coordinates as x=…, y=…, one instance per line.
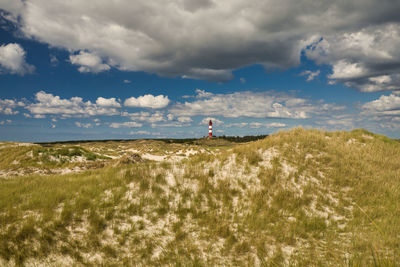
x=8, y=111
x=383, y=79
x=156, y=117
x=39, y=116
x=215, y=122
x=275, y=125
x=5, y=122
x=342, y=122
x=266, y=104
x=88, y=62
x=12, y=60
x=7, y=106
x=53, y=60
x=13, y=7
x=170, y=117
x=345, y=70
x=73, y=107
x=365, y=58
x=256, y=125
x=168, y=124
x=237, y=124
x=391, y=126
x=184, y=119
x=383, y=106
x=128, y=124
x=202, y=93
x=209, y=39
x=242, y=80
x=311, y=75
x=147, y=101
x=83, y=125
x=145, y=116
x=107, y=102
x=214, y=37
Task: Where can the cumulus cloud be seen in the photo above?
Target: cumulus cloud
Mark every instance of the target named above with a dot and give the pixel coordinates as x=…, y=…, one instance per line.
x=208, y=39
x=39, y=116
x=202, y=93
x=12, y=60
x=311, y=75
x=145, y=116
x=170, y=117
x=53, y=60
x=184, y=119
x=206, y=121
x=147, y=101
x=256, y=125
x=348, y=122
x=7, y=106
x=13, y=9
x=127, y=124
x=365, y=58
x=237, y=124
x=169, y=124
x=266, y=104
x=383, y=106
x=107, y=102
x=5, y=122
x=83, y=125
x=275, y=125
x=88, y=62
x=144, y=36
x=73, y=107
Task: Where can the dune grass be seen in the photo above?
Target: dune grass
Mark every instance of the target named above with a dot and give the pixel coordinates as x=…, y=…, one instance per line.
x=302, y=197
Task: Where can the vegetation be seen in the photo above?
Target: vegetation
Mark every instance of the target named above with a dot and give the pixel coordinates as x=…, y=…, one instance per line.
x=302, y=197
x=16, y=157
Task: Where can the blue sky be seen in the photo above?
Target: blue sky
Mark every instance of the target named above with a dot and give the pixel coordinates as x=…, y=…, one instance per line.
x=92, y=70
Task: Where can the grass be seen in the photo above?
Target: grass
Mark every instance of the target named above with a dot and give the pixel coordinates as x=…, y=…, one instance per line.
x=319, y=199
x=27, y=159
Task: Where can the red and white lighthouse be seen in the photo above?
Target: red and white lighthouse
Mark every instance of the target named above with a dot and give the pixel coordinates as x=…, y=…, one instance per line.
x=210, y=129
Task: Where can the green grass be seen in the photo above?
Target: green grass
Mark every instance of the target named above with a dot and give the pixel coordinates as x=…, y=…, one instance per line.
x=322, y=200
x=35, y=157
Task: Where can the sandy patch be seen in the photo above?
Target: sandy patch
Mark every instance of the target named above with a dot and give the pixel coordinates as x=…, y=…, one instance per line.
x=153, y=157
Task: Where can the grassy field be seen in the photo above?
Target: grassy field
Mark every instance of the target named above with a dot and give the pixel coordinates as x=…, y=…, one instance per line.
x=301, y=197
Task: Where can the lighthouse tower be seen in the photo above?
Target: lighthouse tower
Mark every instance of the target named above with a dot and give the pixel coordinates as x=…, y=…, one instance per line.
x=210, y=129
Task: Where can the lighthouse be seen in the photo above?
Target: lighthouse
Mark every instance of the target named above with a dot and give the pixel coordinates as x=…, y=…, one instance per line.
x=210, y=129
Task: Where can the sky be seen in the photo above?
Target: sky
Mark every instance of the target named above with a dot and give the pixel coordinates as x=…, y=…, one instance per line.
x=86, y=70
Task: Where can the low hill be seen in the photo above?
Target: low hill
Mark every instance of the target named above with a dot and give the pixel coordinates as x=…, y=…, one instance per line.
x=301, y=197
